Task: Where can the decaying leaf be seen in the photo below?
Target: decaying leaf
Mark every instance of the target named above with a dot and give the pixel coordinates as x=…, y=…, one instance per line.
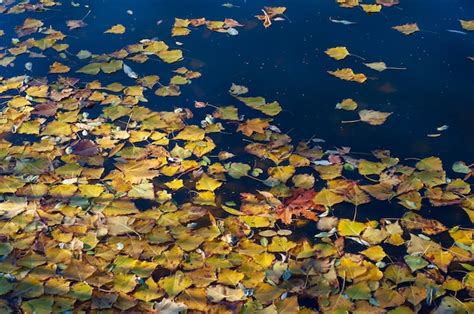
x=349, y=75
x=407, y=29
x=373, y=117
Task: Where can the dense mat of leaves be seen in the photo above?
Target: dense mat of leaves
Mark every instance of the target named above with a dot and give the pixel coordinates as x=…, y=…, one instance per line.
x=132, y=209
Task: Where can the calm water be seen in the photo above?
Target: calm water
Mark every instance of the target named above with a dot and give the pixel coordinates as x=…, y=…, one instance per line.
x=286, y=62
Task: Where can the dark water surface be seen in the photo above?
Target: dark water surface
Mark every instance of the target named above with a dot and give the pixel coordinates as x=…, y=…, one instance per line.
x=287, y=63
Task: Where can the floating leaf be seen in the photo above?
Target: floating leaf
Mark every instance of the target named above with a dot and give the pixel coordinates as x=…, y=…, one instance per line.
x=337, y=53
x=347, y=104
x=373, y=117
x=328, y=198
x=407, y=29
x=381, y=66
x=116, y=29
x=57, y=67
x=207, y=183
x=467, y=25
x=349, y=75
x=347, y=227
x=258, y=103
x=371, y=8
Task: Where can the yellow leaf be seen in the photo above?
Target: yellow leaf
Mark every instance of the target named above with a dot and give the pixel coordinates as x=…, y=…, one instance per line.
x=230, y=277
x=18, y=102
x=148, y=292
x=328, y=198
x=176, y=184
x=63, y=191
x=347, y=104
x=467, y=25
x=37, y=91
x=205, y=198
x=337, y=53
x=348, y=75
x=349, y=228
x=375, y=253
x=116, y=29
x=170, y=56
x=143, y=190
x=351, y=267
x=371, y=8
x=124, y=283
x=58, y=128
x=180, y=31
x=281, y=173
x=57, y=67
x=369, y=167
x=175, y=284
x=207, y=183
x=191, y=133
x=304, y=181
x=218, y=293
x=281, y=244
x=91, y=190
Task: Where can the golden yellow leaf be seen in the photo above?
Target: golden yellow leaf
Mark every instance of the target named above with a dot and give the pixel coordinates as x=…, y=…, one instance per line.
x=337, y=53
x=371, y=8
x=207, y=183
x=328, y=198
x=349, y=228
x=191, y=133
x=180, y=31
x=375, y=253
x=348, y=75
x=176, y=184
x=230, y=277
x=18, y=102
x=57, y=67
x=116, y=29
x=170, y=56
x=347, y=104
x=467, y=25
x=175, y=284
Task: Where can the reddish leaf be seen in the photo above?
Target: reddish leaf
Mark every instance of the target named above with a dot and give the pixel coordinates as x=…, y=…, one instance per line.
x=85, y=148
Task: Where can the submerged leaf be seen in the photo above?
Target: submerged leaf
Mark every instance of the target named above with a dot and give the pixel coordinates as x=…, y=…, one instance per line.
x=373, y=117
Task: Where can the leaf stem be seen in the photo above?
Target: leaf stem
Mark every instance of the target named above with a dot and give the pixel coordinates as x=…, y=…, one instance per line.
x=351, y=121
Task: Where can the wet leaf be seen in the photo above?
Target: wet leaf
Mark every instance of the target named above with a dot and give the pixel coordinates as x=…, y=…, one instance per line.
x=349, y=75
x=371, y=8
x=347, y=104
x=218, y=293
x=116, y=29
x=373, y=117
x=337, y=53
x=347, y=227
x=57, y=67
x=328, y=198
x=407, y=29
x=467, y=25
x=175, y=284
